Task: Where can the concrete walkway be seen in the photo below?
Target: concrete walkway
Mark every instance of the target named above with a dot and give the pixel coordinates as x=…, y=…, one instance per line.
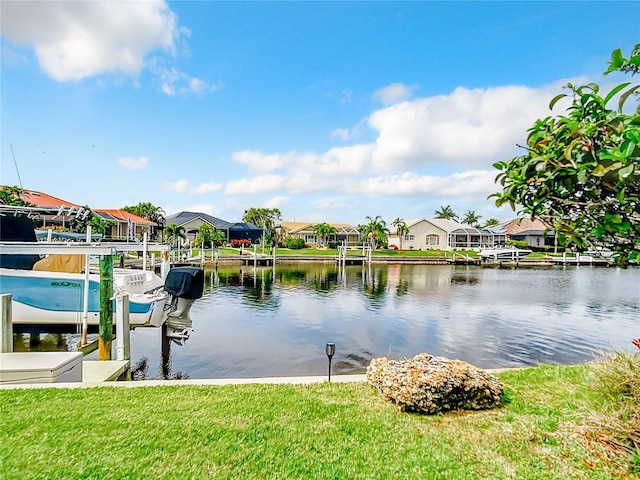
x=89, y=382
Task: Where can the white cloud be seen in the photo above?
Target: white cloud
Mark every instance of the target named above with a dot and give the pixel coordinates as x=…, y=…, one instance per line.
x=465, y=128
x=134, y=163
x=182, y=186
x=394, y=93
x=204, y=208
x=340, y=133
x=278, y=201
x=174, y=82
x=75, y=40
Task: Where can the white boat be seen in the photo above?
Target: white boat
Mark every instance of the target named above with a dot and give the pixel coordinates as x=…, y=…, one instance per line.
x=50, y=291
x=503, y=253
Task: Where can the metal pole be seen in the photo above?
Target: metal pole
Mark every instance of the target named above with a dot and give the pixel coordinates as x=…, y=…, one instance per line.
x=144, y=251
x=123, y=348
x=85, y=301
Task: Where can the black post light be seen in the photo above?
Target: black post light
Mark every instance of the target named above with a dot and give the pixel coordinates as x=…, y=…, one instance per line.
x=330, y=349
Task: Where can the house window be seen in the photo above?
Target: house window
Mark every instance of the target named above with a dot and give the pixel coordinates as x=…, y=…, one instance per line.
x=409, y=238
x=433, y=240
x=310, y=238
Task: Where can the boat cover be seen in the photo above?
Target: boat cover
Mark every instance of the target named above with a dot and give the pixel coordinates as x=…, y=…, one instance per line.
x=70, y=263
x=17, y=229
x=185, y=282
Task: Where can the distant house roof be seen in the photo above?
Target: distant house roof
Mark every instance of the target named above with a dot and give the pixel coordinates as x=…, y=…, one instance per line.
x=182, y=218
x=525, y=226
x=122, y=216
x=40, y=199
x=297, y=227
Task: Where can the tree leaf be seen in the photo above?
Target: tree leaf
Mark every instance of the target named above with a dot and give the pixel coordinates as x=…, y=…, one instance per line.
x=625, y=95
x=555, y=100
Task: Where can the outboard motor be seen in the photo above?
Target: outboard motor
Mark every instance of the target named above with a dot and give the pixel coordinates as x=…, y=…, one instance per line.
x=185, y=285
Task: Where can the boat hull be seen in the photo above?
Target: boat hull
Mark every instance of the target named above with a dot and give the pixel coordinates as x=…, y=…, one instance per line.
x=54, y=298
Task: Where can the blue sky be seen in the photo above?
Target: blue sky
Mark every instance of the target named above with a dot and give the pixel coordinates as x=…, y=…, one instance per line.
x=329, y=111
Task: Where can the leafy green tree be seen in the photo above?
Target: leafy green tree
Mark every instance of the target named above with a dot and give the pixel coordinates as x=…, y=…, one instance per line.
x=581, y=171
x=620, y=63
x=78, y=223
x=175, y=233
x=150, y=212
x=376, y=232
x=446, y=213
x=470, y=218
x=401, y=229
x=323, y=230
x=12, y=196
x=100, y=225
x=209, y=235
x=266, y=218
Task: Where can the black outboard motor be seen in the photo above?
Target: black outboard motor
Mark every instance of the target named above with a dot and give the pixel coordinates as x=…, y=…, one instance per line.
x=185, y=285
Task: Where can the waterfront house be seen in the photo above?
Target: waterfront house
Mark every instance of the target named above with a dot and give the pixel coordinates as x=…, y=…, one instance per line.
x=68, y=210
x=305, y=230
x=533, y=231
x=126, y=225
x=191, y=222
x=440, y=234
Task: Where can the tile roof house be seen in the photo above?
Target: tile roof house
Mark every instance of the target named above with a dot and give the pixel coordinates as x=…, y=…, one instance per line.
x=191, y=222
x=534, y=231
x=126, y=225
x=305, y=231
x=68, y=210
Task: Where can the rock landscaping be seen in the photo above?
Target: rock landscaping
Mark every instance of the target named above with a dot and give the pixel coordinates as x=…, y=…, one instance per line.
x=429, y=384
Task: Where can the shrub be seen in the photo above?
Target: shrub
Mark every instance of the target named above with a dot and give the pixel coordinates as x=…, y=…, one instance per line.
x=294, y=243
x=333, y=245
x=239, y=243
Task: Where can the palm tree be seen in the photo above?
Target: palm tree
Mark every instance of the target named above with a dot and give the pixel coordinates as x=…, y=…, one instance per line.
x=401, y=229
x=492, y=222
x=174, y=233
x=323, y=230
x=446, y=213
x=375, y=231
x=99, y=225
x=470, y=218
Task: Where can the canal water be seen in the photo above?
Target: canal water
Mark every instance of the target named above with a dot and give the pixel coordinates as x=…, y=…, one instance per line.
x=265, y=321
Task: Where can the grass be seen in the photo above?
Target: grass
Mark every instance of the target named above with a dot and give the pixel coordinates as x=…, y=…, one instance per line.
x=324, y=431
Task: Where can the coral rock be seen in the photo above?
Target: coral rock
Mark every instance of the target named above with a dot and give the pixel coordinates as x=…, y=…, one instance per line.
x=429, y=384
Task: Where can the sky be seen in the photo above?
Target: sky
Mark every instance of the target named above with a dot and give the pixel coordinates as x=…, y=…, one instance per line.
x=329, y=111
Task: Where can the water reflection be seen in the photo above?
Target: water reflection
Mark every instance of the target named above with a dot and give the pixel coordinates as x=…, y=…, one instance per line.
x=255, y=322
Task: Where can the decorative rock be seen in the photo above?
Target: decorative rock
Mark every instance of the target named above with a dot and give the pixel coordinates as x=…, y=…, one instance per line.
x=429, y=384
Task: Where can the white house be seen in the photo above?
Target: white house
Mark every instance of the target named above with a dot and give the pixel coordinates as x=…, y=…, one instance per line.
x=442, y=234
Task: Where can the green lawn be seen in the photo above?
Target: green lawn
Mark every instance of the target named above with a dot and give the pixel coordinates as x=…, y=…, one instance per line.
x=319, y=431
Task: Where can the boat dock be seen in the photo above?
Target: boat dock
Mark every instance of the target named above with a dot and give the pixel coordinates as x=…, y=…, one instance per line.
x=22, y=368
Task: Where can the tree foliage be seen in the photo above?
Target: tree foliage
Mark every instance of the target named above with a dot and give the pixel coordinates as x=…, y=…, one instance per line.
x=581, y=171
x=375, y=231
x=446, y=213
x=175, y=233
x=401, y=229
x=12, y=196
x=150, y=212
x=471, y=218
x=267, y=218
x=323, y=230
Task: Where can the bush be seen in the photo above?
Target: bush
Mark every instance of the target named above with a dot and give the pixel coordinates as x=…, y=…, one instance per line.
x=236, y=243
x=333, y=245
x=294, y=243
